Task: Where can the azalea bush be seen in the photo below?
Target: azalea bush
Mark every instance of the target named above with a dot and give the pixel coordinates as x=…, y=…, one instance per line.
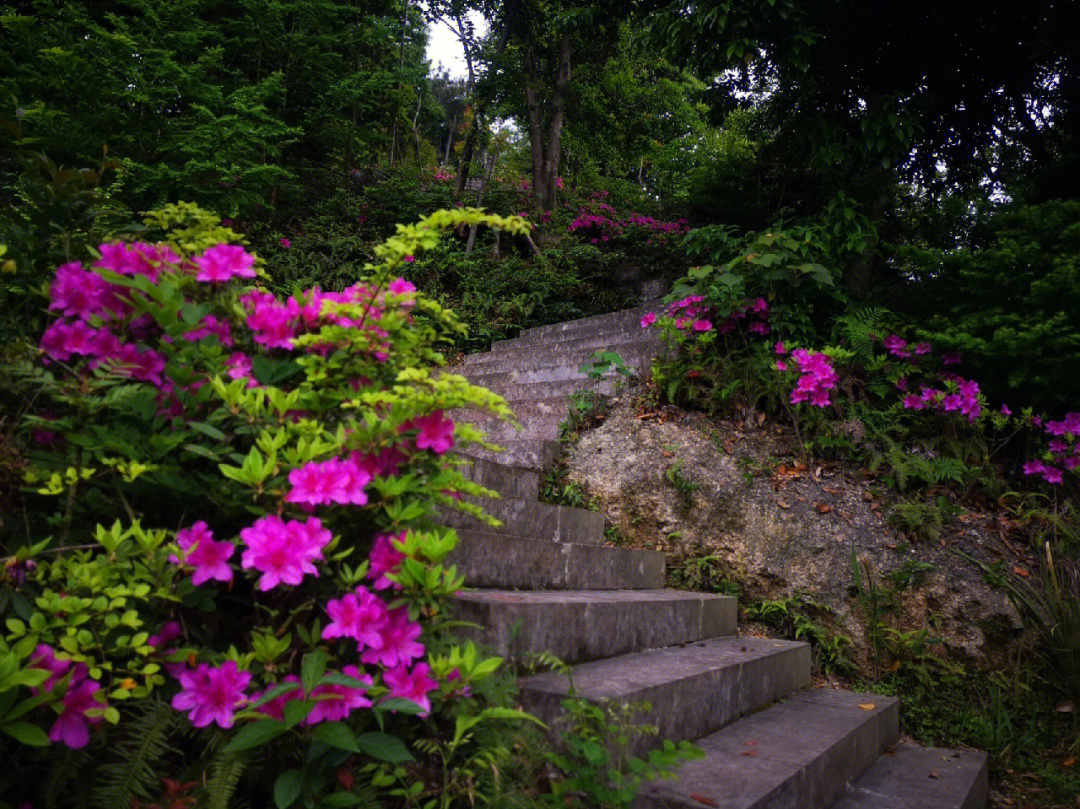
x=224, y=543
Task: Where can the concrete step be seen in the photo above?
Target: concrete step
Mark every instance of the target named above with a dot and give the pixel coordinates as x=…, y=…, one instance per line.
x=612, y=321
x=800, y=754
x=538, y=419
x=910, y=777
x=503, y=560
x=509, y=481
x=694, y=690
x=580, y=625
x=527, y=453
x=528, y=518
x=532, y=391
x=571, y=349
x=483, y=375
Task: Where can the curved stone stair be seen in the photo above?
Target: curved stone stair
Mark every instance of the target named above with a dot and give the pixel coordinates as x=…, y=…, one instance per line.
x=545, y=582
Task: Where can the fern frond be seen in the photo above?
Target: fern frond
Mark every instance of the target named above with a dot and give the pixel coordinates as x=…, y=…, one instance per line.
x=225, y=773
x=135, y=769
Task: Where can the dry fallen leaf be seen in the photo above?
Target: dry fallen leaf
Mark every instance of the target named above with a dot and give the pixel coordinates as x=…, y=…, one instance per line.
x=823, y=508
x=782, y=504
x=1068, y=762
x=1066, y=707
x=1021, y=571
x=666, y=454
x=934, y=774
x=867, y=706
x=702, y=799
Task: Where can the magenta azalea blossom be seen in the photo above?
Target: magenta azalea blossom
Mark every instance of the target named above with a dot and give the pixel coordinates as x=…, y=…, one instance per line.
x=398, y=643
x=335, y=702
x=209, y=558
x=223, y=263
x=436, y=432
x=703, y=325
x=276, y=706
x=951, y=358
x=169, y=632
x=212, y=694
x=385, y=558
x=283, y=552
x=413, y=686
x=333, y=481
x=44, y=657
x=780, y=349
x=285, y=243
x=816, y=378
x=648, y=320
x=360, y=615
x=399, y=286
x=70, y=727
x=76, y=292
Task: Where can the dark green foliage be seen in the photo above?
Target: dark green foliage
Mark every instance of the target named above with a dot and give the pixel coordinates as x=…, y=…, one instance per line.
x=1009, y=302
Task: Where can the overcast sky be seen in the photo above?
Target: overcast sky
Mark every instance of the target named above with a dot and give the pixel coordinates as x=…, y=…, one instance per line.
x=445, y=48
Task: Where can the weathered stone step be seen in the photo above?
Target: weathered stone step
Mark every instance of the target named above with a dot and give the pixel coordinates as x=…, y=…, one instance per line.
x=528, y=518
x=493, y=379
x=580, y=625
x=612, y=321
x=572, y=349
x=507, y=480
x=910, y=777
x=800, y=754
x=532, y=391
x=694, y=690
x=507, y=561
x=527, y=453
x=538, y=419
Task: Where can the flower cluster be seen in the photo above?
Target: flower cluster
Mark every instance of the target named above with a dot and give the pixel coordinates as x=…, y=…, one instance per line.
x=334, y=481
x=603, y=223
x=283, y=552
x=82, y=703
x=209, y=557
x=1062, y=451
x=816, y=376
x=964, y=398
x=691, y=314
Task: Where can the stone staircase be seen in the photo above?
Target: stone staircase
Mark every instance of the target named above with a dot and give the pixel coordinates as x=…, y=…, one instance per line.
x=545, y=582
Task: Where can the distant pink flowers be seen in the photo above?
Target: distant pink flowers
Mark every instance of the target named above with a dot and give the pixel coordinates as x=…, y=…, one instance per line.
x=211, y=694
x=1062, y=452
x=816, y=378
x=286, y=243
x=648, y=320
x=283, y=552
x=337, y=480
x=223, y=263
x=964, y=399
x=209, y=557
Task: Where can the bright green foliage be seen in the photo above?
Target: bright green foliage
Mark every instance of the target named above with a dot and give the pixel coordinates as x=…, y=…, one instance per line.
x=598, y=766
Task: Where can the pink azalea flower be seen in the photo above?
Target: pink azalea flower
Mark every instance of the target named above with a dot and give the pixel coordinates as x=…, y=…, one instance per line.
x=238, y=366
x=951, y=358
x=923, y=348
x=896, y=346
x=209, y=558
x=436, y=432
x=70, y=727
x=276, y=706
x=44, y=657
x=386, y=463
x=760, y=327
x=223, y=263
x=902, y=384
x=1005, y=410
x=336, y=702
x=781, y=365
x=409, y=259
x=399, y=286
x=212, y=694
x=398, y=644
x=761, y=306
x=385, y=558
x=648, y=320
x=169, y=632
x=332, y=481
x=703, y=325
x=285, y=243
x=360, y=615
x=76, y=292
x=211, y=325
x=780, y=349
x=283, y=552
x=413, y=686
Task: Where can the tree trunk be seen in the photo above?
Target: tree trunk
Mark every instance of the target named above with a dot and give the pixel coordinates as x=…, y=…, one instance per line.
x=467, y=149
x=545, y=156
